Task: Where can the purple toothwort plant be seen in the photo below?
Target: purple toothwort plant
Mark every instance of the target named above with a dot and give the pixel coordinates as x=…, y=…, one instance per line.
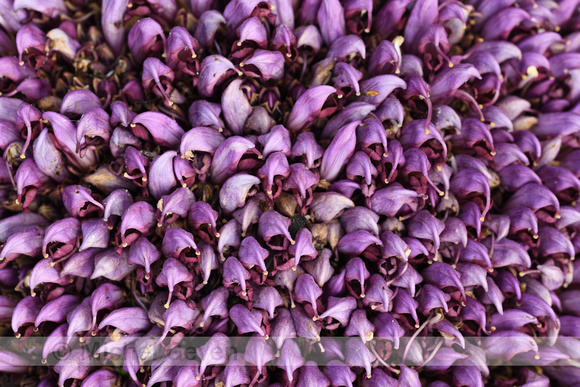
x=304, y=192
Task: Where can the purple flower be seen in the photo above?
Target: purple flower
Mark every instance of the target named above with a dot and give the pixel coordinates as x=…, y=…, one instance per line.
x=309, y=107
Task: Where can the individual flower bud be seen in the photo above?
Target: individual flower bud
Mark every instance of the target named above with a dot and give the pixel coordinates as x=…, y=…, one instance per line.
x=171, y=207
x=446, y=85
x=116, y=203
x=360, y=218
x=407, y=278
x=360, y=166
x=79, y=102
x=273, y=228
x=112, y=22
x=208, y=261
x=79, y=201
x=273, y=171
x=200, y=139
x=61, y=238
x=305, y=326
x=290, y=358
x=423, y=135
x=265, y=65
x=157, y=127
x=493, y=295
x=358, y=355
x=230, y=237
x=378, y=294
x=29, y=180
x=389, y=201
x=470, y=183
x=172, y=274
x=471, y=217
x=25, y=312
x=121, y=139
x=404, y=303
x=268, y=299
x=161, y=176
x=553, y=242
x=214, y=70
x=235, y=106
x=48, y=159
x=73, y=365
x=352, y=112
x=106, y=296
x=25, y=242
x=101, y=378
x=143, y=39
x=454, y=232
x=252, y=30
x=111, y=265
x=236, y=371
x=81, y=264
x=93, y=130
x=57, y=310
x=303, y=248
x=178, y=315
x=309, y=107
x=247, y=321
x=234, y=192
x=307, y=147
x=252, y=254
x=201, y=214
x=356, y=242
x=561, y=181
x=330, y=19
x=79, y=320
x=346, y=188
x=209, y=23
x=347, y=77
x=329, y=205
x=228, y=156
x=339, y=309
x=181, y=47
x=515, y=176
x=336, y=285
x=472, y=275
x=31, y=43
x=179, y=244
x=320, y=268
x=432, y=298
x=214, y=304
x=128, y=320
x=375, y=90
x=143, y=253
x=44, y=272
x=138, y=219
x=205, y=114
x=339, y=374
x=158, y=78
x=310, y=375
x=388, y=328
x=234, y=273
x=276, y=140
x=394, y=246
x=307, y=291
x=283, y=328
x=360, y=326
x=545, y=204
x=443, y=275
x=258, y=352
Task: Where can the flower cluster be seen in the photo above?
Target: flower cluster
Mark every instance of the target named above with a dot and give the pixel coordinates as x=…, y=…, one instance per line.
x=350, y=173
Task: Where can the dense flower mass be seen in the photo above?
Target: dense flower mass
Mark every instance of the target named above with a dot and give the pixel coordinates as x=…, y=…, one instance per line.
x=363, y=193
